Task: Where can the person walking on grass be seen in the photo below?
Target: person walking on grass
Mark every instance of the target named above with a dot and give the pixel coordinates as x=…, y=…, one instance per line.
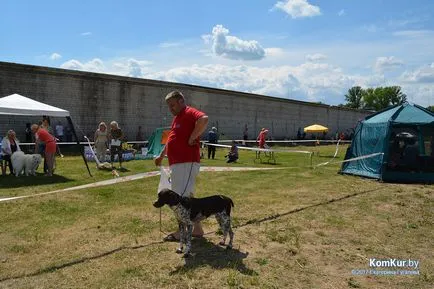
x=183, y=150
x=101, y=141
x=116, y=136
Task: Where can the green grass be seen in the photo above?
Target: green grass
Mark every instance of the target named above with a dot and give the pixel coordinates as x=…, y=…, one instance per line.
x=287, y=235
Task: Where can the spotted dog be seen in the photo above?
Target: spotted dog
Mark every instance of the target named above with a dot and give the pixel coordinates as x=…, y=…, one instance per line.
x=191, y=210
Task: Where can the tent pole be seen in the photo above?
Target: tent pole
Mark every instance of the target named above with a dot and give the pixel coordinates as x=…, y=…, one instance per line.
x=78, y=142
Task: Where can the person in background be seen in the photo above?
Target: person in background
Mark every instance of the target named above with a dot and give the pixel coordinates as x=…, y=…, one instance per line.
x=116, y=136
x=233, y=153
x=10, y=144
x=46, y=124
x=2, y=168
x=68, y=133
x=42, y=135
x=101, y=141
x=59, y=131
x=245, y=134
x=139, y=138
x=213, y=139
x=28, y=132
x=261, y=140
x=262, y=137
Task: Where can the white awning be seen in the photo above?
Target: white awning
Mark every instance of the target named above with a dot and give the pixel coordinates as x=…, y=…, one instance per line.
x=16, y=104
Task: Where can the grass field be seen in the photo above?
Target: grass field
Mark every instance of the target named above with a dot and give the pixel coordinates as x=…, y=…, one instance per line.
x=296, y=227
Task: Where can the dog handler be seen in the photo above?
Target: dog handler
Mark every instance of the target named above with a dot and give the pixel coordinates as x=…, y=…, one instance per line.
x=183, y=150
x=42, y=135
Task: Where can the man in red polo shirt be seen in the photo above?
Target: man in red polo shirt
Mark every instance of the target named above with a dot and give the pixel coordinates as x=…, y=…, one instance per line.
x=183, y=149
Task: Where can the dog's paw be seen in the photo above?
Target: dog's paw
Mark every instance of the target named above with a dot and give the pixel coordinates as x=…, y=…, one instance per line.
x=179, y=251
x=186, y=255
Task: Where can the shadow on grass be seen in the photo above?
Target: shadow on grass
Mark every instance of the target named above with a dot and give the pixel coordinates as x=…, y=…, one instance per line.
x=54, y=268
x=205, y=252
x=11, y=181
x=327, y=157
x=215, y=256
x=276, y=216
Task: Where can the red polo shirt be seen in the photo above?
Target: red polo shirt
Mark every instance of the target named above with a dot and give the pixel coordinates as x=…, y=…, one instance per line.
x=177, y=148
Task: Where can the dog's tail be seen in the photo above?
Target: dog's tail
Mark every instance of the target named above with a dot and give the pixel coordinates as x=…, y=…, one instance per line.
x=229, y=204
x=227, y=199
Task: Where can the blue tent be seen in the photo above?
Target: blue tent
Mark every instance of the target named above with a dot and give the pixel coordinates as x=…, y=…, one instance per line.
x=404, y=134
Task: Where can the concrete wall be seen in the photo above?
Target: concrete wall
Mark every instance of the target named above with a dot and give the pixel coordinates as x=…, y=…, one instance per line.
x=92, y=98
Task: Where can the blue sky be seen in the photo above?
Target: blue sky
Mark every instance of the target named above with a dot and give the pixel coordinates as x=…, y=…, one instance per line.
x=300, y=49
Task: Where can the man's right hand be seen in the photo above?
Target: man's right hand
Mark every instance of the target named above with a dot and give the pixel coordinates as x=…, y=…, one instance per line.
x=158, y=161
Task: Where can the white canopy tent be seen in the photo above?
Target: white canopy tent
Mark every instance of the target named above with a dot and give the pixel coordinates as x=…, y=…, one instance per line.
x=16, y=104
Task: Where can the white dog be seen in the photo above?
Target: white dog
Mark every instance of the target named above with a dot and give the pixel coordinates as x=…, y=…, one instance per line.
x=28, y=163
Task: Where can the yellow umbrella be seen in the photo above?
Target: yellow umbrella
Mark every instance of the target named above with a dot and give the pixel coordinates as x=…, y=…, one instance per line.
x=315, y=128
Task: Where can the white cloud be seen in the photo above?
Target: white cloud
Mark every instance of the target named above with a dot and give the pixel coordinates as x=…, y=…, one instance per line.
x=372, y=28
x=131, y=67
x=341, y=12
x=274, y=52
x=298, y=8
x=315, y=57
x=86, y=33
x=309, y=81
x=125, y=67
x=232, y=47
x=414, y=33
x=424, y=74
x=94, y=65
x=408, y=21
x=422, y=94
x=387, y=63
x=170, y=44
x=55, y=56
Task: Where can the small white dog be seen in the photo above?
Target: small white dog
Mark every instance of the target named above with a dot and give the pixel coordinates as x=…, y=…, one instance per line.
x=28, y=163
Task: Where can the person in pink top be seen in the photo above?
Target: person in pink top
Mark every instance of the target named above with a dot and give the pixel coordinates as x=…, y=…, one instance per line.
x=42, y=135
x=183, y=150
x=261, y=138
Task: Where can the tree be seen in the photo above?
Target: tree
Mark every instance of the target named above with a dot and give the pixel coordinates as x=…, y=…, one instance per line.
x=374, y=98
x=396, y=95
x=354, y=97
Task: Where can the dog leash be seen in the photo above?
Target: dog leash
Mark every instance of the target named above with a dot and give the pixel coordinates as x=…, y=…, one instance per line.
x=185, y=189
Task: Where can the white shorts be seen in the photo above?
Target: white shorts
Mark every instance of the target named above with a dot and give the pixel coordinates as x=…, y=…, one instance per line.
x=183, y=178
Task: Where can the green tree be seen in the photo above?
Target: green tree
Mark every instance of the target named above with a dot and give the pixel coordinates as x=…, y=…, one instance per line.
x=354, y=97
x=381, y=97
x=396, y=95
x=374, y=98
x=369, y=99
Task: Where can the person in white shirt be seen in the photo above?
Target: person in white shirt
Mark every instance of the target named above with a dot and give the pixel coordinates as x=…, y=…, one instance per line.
x=10, y=144
x=59, y=131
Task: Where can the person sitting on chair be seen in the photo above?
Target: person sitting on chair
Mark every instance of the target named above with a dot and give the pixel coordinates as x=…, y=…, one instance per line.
x=410, y=157
x=233, y=153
